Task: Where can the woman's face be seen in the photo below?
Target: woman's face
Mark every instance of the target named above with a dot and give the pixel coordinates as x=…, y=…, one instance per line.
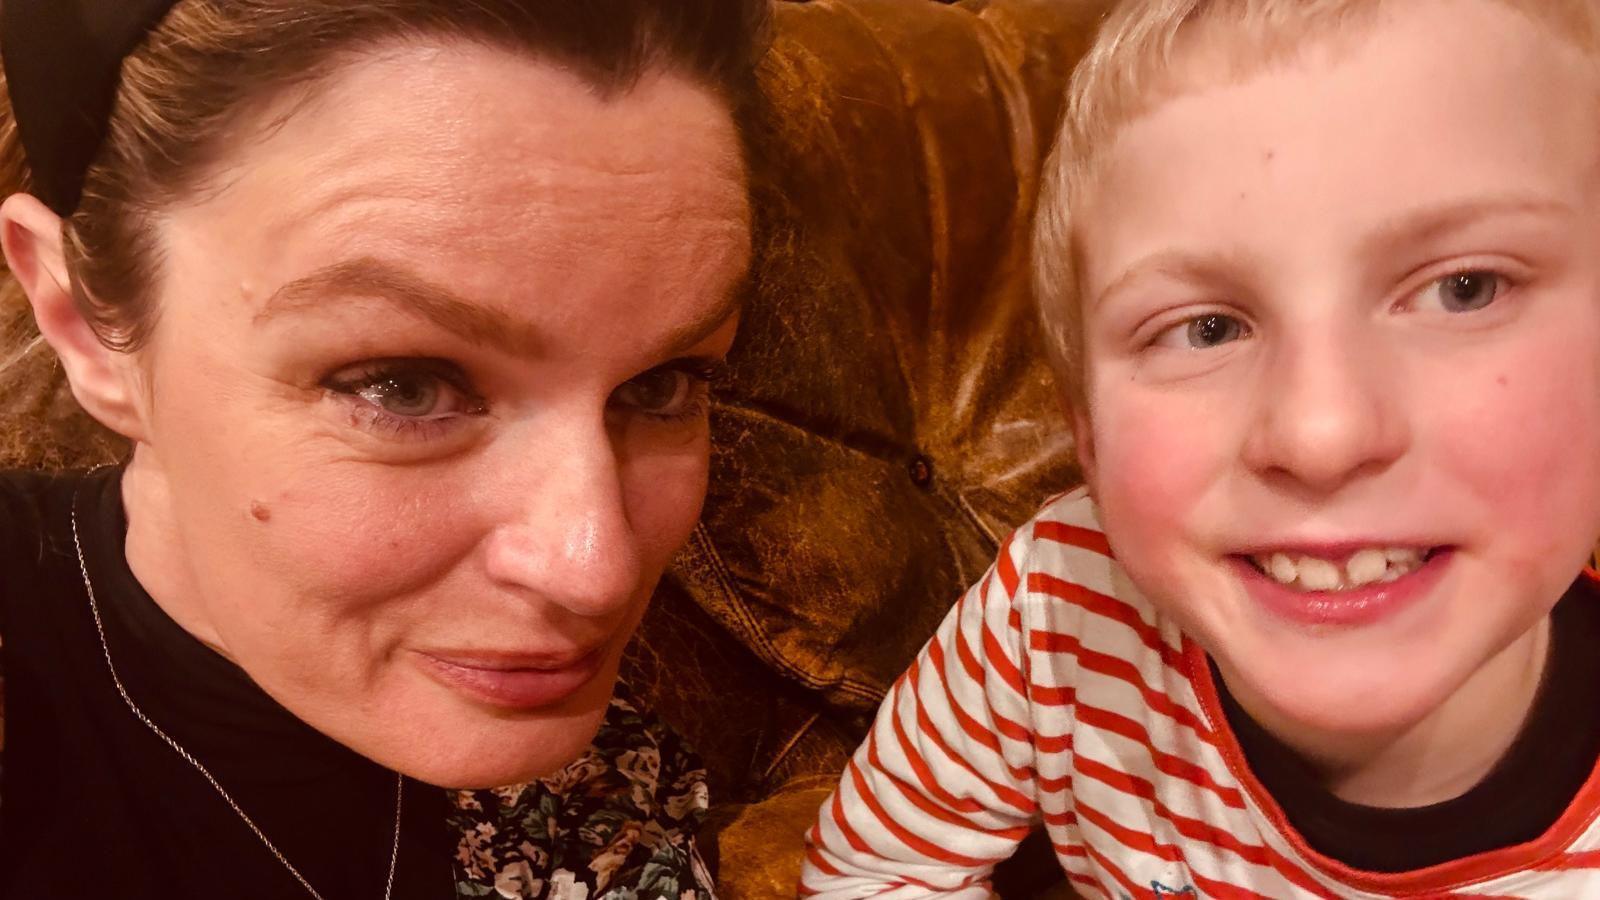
x=425, y=405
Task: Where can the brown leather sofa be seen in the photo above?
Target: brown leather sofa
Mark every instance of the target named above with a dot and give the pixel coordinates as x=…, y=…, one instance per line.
x=888, y=416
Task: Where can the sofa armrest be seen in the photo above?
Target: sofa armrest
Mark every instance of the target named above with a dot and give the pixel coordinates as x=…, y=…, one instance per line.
x=760, y=846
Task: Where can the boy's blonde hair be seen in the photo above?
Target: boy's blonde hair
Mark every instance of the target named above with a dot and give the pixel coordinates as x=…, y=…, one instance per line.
x=1133, y=65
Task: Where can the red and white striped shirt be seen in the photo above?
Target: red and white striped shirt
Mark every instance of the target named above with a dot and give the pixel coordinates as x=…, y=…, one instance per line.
x=1055, y=693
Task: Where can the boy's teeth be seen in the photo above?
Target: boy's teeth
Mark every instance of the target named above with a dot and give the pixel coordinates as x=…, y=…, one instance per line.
x=1365, y=567
x=1368, y=566
x=1318, y=574
x=1282, y=568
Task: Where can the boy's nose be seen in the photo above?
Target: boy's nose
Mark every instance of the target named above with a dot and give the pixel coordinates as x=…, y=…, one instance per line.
x=565, y=538
x=1328, y=411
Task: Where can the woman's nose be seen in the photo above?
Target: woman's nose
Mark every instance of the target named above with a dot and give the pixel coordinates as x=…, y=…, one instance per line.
x=565, y=538
x=1329, y=410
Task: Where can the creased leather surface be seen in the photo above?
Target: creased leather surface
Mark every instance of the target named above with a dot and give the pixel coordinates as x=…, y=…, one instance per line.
x=888, y=417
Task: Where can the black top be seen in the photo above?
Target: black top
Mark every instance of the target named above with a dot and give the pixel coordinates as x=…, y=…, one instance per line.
x=93, y=804
x=1520, y=798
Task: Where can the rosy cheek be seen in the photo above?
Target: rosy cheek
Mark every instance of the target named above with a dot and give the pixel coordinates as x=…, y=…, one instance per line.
x=1525, y=440
x=1155, y=460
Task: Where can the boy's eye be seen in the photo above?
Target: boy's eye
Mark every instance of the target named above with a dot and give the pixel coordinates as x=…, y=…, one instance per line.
x=1202, y=333
x=1464, y=291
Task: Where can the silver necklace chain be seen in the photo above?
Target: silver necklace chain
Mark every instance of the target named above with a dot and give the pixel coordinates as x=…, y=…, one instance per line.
x=94, y=607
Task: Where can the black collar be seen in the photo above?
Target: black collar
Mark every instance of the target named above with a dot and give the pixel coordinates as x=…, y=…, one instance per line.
x=1525, y=793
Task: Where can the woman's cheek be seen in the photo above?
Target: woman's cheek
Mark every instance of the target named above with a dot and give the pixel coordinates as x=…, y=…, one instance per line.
x=385, y=534
x=664, y=493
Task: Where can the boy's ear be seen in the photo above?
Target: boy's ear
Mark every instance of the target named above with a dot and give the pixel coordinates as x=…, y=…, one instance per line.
x=1083, y=445
x=102, y=379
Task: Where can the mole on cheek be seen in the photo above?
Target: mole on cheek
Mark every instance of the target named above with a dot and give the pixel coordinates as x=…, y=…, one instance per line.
x=259, y=511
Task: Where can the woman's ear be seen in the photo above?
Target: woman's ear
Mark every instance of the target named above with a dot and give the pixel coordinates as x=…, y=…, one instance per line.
x=102, y=379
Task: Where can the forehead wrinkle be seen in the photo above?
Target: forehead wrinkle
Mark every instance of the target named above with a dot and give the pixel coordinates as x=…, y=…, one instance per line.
x=373, y=278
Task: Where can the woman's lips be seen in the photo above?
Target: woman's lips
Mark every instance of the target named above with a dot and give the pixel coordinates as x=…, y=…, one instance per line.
x=510, y=681
x=1354, y=606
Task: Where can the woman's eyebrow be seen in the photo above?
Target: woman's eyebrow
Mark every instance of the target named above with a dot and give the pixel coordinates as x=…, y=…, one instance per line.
x=704, y=324
x=376, y=279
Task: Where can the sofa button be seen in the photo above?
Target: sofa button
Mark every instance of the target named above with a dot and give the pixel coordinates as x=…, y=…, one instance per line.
x=922, y=472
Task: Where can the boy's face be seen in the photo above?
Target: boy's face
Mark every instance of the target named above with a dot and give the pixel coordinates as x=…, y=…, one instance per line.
x=1343, y=331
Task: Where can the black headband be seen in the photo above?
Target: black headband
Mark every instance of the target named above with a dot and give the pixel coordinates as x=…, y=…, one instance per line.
x=63, y=63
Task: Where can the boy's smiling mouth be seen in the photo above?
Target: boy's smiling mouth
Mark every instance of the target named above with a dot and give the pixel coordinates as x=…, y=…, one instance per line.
x=1342, y=572
x=1340, y=584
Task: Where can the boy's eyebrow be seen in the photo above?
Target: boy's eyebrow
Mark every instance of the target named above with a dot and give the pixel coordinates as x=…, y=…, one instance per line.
x=1428, y=223
x=1179, y=265
x=1409, y=228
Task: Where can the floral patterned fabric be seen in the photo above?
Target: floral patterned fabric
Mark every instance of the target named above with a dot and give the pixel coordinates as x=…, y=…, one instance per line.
x=616, y=824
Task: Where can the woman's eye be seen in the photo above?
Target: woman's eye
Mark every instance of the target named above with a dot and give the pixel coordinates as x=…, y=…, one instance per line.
x=400, y=396
x=1464, y=291
x=412, y=396
x=664, y=393
x=1202, y=333
x=660, y=392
